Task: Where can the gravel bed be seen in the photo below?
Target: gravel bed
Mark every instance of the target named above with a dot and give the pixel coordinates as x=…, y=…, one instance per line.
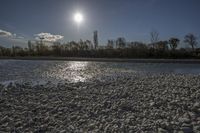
x=152, y=103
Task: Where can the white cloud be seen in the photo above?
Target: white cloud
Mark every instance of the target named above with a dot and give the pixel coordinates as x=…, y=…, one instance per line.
x=4, y=33
x=48, y=37
x=10, y=35
x=20, y=37
x=8, y=39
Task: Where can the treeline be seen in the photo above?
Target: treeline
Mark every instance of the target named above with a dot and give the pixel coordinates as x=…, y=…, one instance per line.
x=118, y=48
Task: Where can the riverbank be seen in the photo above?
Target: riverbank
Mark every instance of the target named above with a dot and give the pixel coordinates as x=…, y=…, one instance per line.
x=152, y=103
x=184, y=61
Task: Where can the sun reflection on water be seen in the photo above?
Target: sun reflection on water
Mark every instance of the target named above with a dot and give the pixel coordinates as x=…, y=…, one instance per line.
x=70, y=71
x=77, y=71
x=76, y=66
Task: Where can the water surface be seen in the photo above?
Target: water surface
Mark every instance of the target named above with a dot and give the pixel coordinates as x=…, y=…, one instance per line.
x=74, y=71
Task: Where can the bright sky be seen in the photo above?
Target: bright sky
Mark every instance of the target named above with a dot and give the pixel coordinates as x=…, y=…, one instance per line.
x=22, y=20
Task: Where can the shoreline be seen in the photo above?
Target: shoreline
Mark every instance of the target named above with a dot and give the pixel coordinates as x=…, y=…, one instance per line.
x=162, y=103
x=182, y=61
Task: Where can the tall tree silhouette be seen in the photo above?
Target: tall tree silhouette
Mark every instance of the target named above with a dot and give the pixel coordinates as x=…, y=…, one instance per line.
x=89, y=44
x=95, y=39
x=120, y=42
x=30, y=47
x=173, y=42
x=154, y=38
x=110, y=44
x=162, y=45
x=191, y=40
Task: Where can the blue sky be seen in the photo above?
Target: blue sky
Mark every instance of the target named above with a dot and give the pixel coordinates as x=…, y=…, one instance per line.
x=133, y=19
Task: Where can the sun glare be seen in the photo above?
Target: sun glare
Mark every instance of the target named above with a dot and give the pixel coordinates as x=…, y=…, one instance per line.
x=78, y=18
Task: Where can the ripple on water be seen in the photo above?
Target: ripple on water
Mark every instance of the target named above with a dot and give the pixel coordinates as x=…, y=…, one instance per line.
x=74, y=71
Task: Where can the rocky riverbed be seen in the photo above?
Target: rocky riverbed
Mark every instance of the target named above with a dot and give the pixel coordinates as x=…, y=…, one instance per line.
x=151, y=103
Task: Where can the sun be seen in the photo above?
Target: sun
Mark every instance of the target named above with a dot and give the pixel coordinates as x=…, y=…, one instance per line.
x=78, y=17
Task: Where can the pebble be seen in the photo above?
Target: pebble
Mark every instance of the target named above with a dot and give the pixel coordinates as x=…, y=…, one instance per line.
x=197, y=128
x=184, y=120
x=63, y=131
x=160, y=130
x=187, y=130
x=124, y=103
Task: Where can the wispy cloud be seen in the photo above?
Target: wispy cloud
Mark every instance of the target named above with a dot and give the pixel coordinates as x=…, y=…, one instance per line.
x=15, y=36
x=10, y=35
x=4, y=33
x=8, y=39
x=48, y=37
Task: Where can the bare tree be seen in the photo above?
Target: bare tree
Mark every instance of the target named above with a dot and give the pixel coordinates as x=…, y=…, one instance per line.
x=73, y=46
x=89, y=44
x=173, y=42
x=121, y=42
x=154, y=37
x=191, y=40
x=162, y=45
x=110, y=44
x=56, y=48
x=81, y=45
x=30, y=47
